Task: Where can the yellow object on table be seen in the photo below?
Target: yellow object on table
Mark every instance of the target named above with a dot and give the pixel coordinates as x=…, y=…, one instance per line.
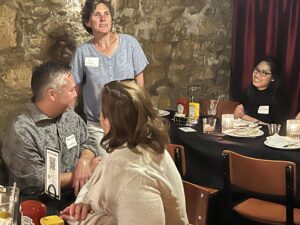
x=194, y=112
x=4, y=214
x=51, y=220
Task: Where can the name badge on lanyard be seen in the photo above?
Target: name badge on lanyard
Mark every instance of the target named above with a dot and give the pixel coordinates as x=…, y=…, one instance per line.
x=263, y=109
x=91, y=61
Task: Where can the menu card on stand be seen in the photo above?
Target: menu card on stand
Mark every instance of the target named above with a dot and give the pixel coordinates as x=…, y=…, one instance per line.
x=52, y=178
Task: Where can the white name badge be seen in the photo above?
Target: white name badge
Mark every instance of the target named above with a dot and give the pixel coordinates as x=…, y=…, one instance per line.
x=71, y=141
x=52, y=178
x=263, y=109
x=91, y=61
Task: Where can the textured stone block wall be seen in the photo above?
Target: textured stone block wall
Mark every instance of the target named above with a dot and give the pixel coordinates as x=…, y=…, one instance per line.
x=188, y=42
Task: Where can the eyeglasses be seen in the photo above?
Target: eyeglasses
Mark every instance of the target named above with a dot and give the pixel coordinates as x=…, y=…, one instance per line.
x=262, y=73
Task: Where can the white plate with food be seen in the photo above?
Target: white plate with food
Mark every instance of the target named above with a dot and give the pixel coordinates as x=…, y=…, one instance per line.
x=163, y=112
x=244, y=133
x=282, y=142
x=240, y=123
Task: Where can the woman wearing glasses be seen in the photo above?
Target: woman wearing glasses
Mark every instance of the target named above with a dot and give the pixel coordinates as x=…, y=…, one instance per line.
x=137, y=183
x=107, y=56
x=263, y=101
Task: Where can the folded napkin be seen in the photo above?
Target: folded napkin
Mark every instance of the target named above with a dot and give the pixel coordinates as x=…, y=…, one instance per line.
x=282, y=141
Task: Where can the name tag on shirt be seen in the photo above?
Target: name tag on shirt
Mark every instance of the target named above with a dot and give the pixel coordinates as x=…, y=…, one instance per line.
x=91, y=61
x=263, y=109
x=71, y=141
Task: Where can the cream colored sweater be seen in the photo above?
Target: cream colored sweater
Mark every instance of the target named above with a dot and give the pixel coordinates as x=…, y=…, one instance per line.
x=129, y=188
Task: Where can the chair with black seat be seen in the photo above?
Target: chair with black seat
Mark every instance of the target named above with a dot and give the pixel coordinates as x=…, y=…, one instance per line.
x=269, y=184
x=196, y=203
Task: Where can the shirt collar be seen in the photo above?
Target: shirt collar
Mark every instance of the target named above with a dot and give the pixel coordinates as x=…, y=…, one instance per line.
x=36, y=113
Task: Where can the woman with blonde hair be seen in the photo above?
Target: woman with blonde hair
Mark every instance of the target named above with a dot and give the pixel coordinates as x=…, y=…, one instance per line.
x=137, y=183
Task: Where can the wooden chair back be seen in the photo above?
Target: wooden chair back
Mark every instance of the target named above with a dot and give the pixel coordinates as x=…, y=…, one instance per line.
x=259, y=175
x=261, y=178
x=223, y=107
x=196, y=203
x=178, y=155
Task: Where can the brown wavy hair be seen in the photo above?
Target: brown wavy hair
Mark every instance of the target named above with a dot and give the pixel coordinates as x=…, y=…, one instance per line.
x=132, y=117
x=89, y=7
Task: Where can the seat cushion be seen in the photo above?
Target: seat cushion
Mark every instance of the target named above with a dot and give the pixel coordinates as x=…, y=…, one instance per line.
x=265, y=212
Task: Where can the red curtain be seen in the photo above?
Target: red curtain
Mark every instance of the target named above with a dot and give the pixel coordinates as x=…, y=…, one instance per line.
x=266, y=28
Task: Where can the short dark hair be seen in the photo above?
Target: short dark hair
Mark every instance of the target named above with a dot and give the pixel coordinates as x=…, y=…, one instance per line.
x=89, y=7
x=48, y=75
x=132, y=117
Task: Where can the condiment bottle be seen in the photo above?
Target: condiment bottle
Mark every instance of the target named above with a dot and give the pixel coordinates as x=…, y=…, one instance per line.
x=182, y=106
x=194, y=107
x=31, y=212
x=194, y=110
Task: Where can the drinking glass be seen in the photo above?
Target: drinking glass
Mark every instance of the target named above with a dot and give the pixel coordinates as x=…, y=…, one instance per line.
x=293, y=129
x=212, y=108
x=227, y=121
x=9, y=204
x=209, y=124
x=274, y=128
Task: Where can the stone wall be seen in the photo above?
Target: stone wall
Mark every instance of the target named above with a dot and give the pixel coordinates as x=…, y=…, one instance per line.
x=187, y=42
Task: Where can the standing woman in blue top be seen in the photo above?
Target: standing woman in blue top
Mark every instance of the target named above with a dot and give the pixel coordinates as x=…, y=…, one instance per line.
x=264, y=102
x=106, y=57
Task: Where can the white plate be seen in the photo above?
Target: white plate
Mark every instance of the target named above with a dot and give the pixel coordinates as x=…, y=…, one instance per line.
x=163, y=112
x=240, y=123
x=235, y=133
x=272, y=145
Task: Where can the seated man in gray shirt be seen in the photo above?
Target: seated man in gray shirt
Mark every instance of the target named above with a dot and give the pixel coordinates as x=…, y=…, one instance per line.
x=49, y=122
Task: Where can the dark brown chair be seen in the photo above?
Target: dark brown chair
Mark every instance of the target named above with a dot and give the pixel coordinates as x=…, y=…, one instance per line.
x=196, y=203
x=178, y=155
x=263, y=180
x=223, y=107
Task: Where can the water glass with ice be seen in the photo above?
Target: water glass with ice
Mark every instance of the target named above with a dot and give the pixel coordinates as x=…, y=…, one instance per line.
x=274, y=128
x=9, y=204
x=209, y=124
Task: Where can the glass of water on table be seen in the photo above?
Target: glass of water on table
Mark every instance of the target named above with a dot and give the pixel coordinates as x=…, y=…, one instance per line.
x=9, y=205
x=209, y=124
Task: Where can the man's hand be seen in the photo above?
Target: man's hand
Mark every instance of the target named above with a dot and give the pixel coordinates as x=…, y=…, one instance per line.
x=82, y=174
x=84, y=169
x=77, y=211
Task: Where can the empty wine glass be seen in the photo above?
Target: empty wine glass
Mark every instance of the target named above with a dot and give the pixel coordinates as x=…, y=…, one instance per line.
x=212, y=111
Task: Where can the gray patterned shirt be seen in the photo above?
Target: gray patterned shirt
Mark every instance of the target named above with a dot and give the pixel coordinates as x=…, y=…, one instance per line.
x=25, y=144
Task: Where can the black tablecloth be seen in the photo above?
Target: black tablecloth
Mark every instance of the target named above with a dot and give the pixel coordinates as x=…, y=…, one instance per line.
x=204, y=151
